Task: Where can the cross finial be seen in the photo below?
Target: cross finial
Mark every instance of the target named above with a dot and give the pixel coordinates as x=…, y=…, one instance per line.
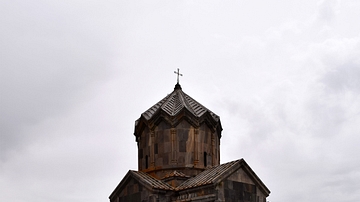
x=178, y=74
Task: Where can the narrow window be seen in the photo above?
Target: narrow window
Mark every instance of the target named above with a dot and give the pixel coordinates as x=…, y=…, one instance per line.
x=156, y=148
x=146, y=162
x=205, y=159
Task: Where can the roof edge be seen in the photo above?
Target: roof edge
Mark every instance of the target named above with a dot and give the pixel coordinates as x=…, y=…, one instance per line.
x=161, y=115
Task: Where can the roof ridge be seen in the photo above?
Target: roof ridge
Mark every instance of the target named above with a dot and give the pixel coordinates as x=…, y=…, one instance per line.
x=186, y=102
x=196, y=112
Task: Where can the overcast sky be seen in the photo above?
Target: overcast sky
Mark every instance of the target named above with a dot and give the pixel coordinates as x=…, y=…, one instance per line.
x=284, y=76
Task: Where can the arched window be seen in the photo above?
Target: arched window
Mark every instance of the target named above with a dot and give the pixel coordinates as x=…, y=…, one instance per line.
x=205, y=159
x=146, y=162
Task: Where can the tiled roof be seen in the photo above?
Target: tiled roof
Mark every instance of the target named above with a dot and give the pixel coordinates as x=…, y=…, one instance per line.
x=212, y=175
x=153, y=182
x=208, y=176
x=173, y=103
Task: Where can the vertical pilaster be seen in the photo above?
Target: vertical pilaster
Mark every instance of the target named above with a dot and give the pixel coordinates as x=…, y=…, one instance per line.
x=140, y=152
x=196, y=146
x=173, y=146
x=218, y=148
x=213, y=154
x=152, y=151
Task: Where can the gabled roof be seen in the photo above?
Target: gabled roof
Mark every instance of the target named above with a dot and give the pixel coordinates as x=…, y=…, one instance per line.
x=211, y=176
x=218, y=173
x=151, y=181
x=143, y=178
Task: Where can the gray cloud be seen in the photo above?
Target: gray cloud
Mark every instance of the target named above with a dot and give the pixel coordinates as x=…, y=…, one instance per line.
x=48, y=65
x=327, y=10
x=343, y=78
x=75, y=76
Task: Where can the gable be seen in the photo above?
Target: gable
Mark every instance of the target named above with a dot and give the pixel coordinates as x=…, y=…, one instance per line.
x=132, y=191
x=129, y=189
x=138, y=186
x=240, y=176
x=242, y=185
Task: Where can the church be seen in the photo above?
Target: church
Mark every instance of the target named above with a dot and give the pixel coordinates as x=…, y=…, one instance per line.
x=178, y=142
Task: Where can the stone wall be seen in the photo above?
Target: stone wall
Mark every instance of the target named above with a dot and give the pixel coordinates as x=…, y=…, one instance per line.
x=134, y=191
x=183, y=148
x=202, y=194
x=239, y=187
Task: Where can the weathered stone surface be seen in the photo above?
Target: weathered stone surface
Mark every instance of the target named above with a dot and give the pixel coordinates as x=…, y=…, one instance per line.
x=186, y=147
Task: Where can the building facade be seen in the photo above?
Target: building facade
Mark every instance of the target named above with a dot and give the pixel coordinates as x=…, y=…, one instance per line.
x=178, y=142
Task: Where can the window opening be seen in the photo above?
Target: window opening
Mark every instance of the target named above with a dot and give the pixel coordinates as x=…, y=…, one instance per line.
x=146, y=162
x=205, y=159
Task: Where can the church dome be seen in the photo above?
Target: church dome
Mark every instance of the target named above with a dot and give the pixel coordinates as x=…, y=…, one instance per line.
x=177, y=134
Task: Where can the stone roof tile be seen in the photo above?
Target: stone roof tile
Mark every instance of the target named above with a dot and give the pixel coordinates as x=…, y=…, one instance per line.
x=173, y=103
x=151, y=181
x=208, y=176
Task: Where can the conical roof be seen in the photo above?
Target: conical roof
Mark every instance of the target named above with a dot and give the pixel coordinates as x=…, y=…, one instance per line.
x=173, y=103
x=177, y=102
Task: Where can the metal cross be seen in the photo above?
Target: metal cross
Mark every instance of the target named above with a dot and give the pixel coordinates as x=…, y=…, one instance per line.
x=178, y=74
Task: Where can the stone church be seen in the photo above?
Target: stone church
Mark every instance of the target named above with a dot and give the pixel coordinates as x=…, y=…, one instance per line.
x=178, y=142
